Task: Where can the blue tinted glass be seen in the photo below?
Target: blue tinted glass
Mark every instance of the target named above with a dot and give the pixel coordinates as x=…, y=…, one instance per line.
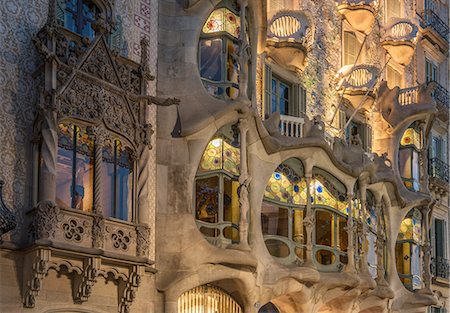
x=211, y=59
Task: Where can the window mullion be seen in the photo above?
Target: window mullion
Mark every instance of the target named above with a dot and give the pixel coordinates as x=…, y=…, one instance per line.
x=74, y=164
x=221, y=197
x=114, y=208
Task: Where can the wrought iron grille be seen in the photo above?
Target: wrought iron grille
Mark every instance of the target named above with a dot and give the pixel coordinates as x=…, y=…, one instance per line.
x=441, y=96
x=431, y=19
x=438, y=169
x=440, y=267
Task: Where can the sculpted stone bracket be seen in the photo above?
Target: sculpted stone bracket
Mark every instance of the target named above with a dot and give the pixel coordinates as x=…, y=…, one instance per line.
x=85, y=271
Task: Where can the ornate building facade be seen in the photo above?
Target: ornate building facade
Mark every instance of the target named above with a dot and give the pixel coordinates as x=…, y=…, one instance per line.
x=226, y=156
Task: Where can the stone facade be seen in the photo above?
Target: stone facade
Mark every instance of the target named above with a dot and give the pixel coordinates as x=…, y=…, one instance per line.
x=147, y=90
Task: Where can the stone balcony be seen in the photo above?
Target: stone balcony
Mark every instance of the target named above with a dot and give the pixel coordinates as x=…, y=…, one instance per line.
x=359, y=14
x=289, y=37
x=400, y=39
x=291, y=126
x=356, y=84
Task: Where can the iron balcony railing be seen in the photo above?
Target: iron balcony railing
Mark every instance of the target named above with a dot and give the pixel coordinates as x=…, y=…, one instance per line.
x=441, y=96
x=438, y=169
x=440, y=267
x=431, y=19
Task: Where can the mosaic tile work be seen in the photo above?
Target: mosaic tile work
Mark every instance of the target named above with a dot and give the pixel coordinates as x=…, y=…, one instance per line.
x=19, y=20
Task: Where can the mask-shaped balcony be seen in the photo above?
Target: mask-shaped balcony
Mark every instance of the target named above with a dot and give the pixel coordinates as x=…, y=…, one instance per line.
x=400, y=40
x=289, y=36
x=357, y=83
x=359, y=14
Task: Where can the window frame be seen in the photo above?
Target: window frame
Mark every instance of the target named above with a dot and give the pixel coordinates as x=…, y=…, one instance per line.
x=78, y=16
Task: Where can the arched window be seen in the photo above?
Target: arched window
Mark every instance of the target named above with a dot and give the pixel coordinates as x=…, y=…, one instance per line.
x=207, y=298
x=329, y=202
x=282, y=213
x=218, y=51
x=216, y=189
x=77, y=16
x=268, y=308
x=118, y=178
x=407, y=250
x=75, y=168
x=75, y=172
x=411, y=144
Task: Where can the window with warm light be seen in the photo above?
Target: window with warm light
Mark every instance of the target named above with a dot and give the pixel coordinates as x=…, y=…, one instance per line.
x=218, y=51
x=351, y=48
x=394, y=77
x=208, y=299
x=216, y=190
x=408, y=250
x=411, y=144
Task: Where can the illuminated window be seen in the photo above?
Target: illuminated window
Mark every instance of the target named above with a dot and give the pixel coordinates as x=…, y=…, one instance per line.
x=394, y=78
x=77, y=16
x=118, y=178
x=208, y=298
x=393, y=8
x=410, y=147
x=216, y=191
x=282, y=213
x=74, y=168
x=268, y=308
x=329, y=201
x=218, y=51
x=351, y=48
x=407, y=250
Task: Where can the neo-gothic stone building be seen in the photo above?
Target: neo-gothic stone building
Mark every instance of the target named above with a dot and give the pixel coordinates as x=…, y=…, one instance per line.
x=235, y=156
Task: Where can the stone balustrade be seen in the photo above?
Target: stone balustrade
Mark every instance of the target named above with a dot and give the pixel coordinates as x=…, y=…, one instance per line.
x=291, y=126
x=408, y=96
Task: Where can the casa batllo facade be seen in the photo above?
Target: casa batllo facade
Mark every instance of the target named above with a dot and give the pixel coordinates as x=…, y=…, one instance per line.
x=235, y=156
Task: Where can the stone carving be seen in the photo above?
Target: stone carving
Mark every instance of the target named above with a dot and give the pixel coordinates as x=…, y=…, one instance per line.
x=120, y=239
x=7, y=218
x=46, y=219
x=100, y=65
x=128, y=291
x=101, y=135
x=142, y=240
x=93, y=102
x=98, y=232
x=84, y=282
x=73, y=231
x=130, y=78
x=35, y=273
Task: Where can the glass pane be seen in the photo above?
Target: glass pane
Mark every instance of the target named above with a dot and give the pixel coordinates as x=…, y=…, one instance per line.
x=298, y=229
x=84, y=172
x=405, y=163
x=417, y=225
x=124, y=181
x=222, y=19
x=286, y=185
x=371, y=253
x=108, y=179
x=323, y=192
x=232, y=67
x=207, y=199
x=231, y=211
x=64, y=165
x=411, y=137
x=403, y=257
x=231, y=158
x=277, y=248
x=324, y=229
x=325, y=257
x=212, y=157
x=274, y=95
x=405, y=229
x=343, y=234
x=211, y=59
x=274, y=220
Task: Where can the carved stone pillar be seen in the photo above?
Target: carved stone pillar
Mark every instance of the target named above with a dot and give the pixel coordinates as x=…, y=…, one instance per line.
x=426, y=249
x=351, y=229
x=100, y=136
x=244, y=184
x=49, y=149
x=143, y=174
x=244, y=52
x=380, y=246
x=309, y=222
x=363, y=233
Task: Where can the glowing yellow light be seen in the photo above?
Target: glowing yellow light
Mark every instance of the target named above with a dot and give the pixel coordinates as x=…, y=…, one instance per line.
x=217, y=142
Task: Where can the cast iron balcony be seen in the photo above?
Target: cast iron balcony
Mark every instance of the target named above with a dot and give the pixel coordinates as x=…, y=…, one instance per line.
x=439, y=172
x=431, y=19
x=440, y=267
x=440, y=94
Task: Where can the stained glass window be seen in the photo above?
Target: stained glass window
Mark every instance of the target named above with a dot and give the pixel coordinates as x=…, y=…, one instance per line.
x=223, y=20
x=323, y=192
x=286, y=186
x=412, y=136
x=75, y=168
x=220, y=155
x=408, y=158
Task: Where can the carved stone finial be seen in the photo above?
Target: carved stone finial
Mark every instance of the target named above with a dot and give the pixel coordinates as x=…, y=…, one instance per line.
x=46, y=219
x=7, y=218
x=51, y=17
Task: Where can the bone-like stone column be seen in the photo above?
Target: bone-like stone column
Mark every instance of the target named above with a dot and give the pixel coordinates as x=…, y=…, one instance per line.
x=351, y=228
x=309, y=222
x=244, y=183
x=426, y=250
x=380, y=246
x=363, y=234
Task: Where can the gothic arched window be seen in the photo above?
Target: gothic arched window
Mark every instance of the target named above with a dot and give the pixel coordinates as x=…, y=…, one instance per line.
x=411, y=145
x=77, y=16
x=75, y=167
x=218, y=51
x=216, y=188
x=408, y=248
x=282, y=213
